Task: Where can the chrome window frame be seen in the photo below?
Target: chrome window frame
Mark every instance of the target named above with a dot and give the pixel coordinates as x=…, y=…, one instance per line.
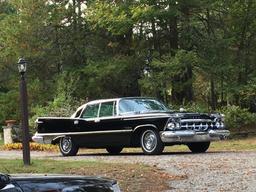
x=113, y=109
x=115, y=102
x=80, y=117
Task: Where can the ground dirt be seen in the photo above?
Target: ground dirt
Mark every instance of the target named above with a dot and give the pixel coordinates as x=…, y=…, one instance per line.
x=211, y=171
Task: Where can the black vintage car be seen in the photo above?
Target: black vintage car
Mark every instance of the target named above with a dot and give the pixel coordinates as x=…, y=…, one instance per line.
x=130, y=122
x=56, y=183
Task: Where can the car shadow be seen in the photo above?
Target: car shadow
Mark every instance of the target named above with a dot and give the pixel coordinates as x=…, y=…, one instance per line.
x=142, y=154
x=130, y=154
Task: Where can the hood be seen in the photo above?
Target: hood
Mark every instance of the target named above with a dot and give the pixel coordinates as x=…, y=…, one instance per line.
x=62, y=183
x=185, y=115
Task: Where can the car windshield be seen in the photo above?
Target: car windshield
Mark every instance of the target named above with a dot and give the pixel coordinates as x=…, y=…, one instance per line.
x=140, y=106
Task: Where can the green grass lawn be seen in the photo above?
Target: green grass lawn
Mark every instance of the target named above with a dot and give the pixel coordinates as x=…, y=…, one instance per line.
x=131, y=177
x=1, y=142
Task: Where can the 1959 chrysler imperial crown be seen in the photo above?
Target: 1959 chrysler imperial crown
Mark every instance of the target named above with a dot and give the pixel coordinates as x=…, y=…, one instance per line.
x=130, y=122
x=55, y=183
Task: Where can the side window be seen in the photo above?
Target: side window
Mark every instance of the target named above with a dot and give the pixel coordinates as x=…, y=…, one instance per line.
x=107, y=109
x=91, y=111
x=78, y=113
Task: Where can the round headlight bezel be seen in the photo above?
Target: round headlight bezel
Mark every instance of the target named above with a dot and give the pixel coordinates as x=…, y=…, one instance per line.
x=220, y=124
x=171, y=125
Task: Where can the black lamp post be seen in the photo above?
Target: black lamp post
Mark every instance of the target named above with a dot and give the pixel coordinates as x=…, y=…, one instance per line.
x=22, y=66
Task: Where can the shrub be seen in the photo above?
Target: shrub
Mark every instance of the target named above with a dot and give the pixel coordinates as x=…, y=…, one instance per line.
x=17, y=133
x=9, y=106
x=236, y=117
x=59, y=107
x=33, y=147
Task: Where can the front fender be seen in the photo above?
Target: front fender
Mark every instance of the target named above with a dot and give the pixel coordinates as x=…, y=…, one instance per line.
x=145, y=126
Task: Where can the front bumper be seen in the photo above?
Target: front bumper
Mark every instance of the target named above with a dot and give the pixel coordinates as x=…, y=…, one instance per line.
x=186, y=136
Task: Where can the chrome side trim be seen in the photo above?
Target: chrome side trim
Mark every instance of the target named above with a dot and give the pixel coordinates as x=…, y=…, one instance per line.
x=123, y=117
x=143, y=117
x=82, y=133
x=38, y=122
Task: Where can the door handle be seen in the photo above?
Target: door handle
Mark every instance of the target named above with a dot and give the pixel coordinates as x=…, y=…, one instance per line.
x=97, y=120
x=76, y=122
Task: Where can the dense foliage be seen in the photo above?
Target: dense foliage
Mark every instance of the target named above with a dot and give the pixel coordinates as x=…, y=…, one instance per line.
x=194, y=53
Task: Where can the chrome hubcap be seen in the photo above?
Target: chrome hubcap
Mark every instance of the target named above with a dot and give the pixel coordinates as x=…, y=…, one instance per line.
x=66, y=144
x=149, y=140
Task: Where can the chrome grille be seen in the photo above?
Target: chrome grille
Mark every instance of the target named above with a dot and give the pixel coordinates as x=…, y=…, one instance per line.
x=202, y=125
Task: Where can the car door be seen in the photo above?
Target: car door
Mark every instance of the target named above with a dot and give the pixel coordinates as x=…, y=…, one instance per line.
x=88, y=119
x=111, y=126
x=101, y=127
x=88, y=127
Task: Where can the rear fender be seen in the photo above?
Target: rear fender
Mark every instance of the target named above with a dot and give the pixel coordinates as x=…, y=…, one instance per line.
x=56, y=140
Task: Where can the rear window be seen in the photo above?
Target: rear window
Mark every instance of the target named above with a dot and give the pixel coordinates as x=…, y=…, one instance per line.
x=107, y=109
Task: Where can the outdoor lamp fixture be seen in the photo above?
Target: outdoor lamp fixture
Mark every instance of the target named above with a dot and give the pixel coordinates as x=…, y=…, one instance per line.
x=22, y=67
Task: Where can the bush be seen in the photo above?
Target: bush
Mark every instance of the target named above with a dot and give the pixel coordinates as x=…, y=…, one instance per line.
x=17, y=133
x=63, y=103
x=33, y=147
x=236, y=117
x=9, y=106
x=59, y=107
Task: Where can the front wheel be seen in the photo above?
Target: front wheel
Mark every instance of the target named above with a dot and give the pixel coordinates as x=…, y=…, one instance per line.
x=151, y=143
x=198, y=147
x=67, y=147
x=114, y=150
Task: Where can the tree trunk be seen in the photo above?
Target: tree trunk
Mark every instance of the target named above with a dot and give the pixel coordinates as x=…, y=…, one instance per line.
x=173, y=35
x=213, y=95
x=182, y=89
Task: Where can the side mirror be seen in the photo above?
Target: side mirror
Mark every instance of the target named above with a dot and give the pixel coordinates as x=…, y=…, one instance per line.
x=4, y=180
x=182, y=109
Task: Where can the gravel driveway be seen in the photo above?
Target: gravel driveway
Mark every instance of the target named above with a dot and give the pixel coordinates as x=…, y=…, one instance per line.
x=212, y=171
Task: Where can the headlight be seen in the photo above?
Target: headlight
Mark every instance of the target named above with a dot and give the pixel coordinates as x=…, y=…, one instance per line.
x=171, y=125
x=116, y=188
x=220, y=124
